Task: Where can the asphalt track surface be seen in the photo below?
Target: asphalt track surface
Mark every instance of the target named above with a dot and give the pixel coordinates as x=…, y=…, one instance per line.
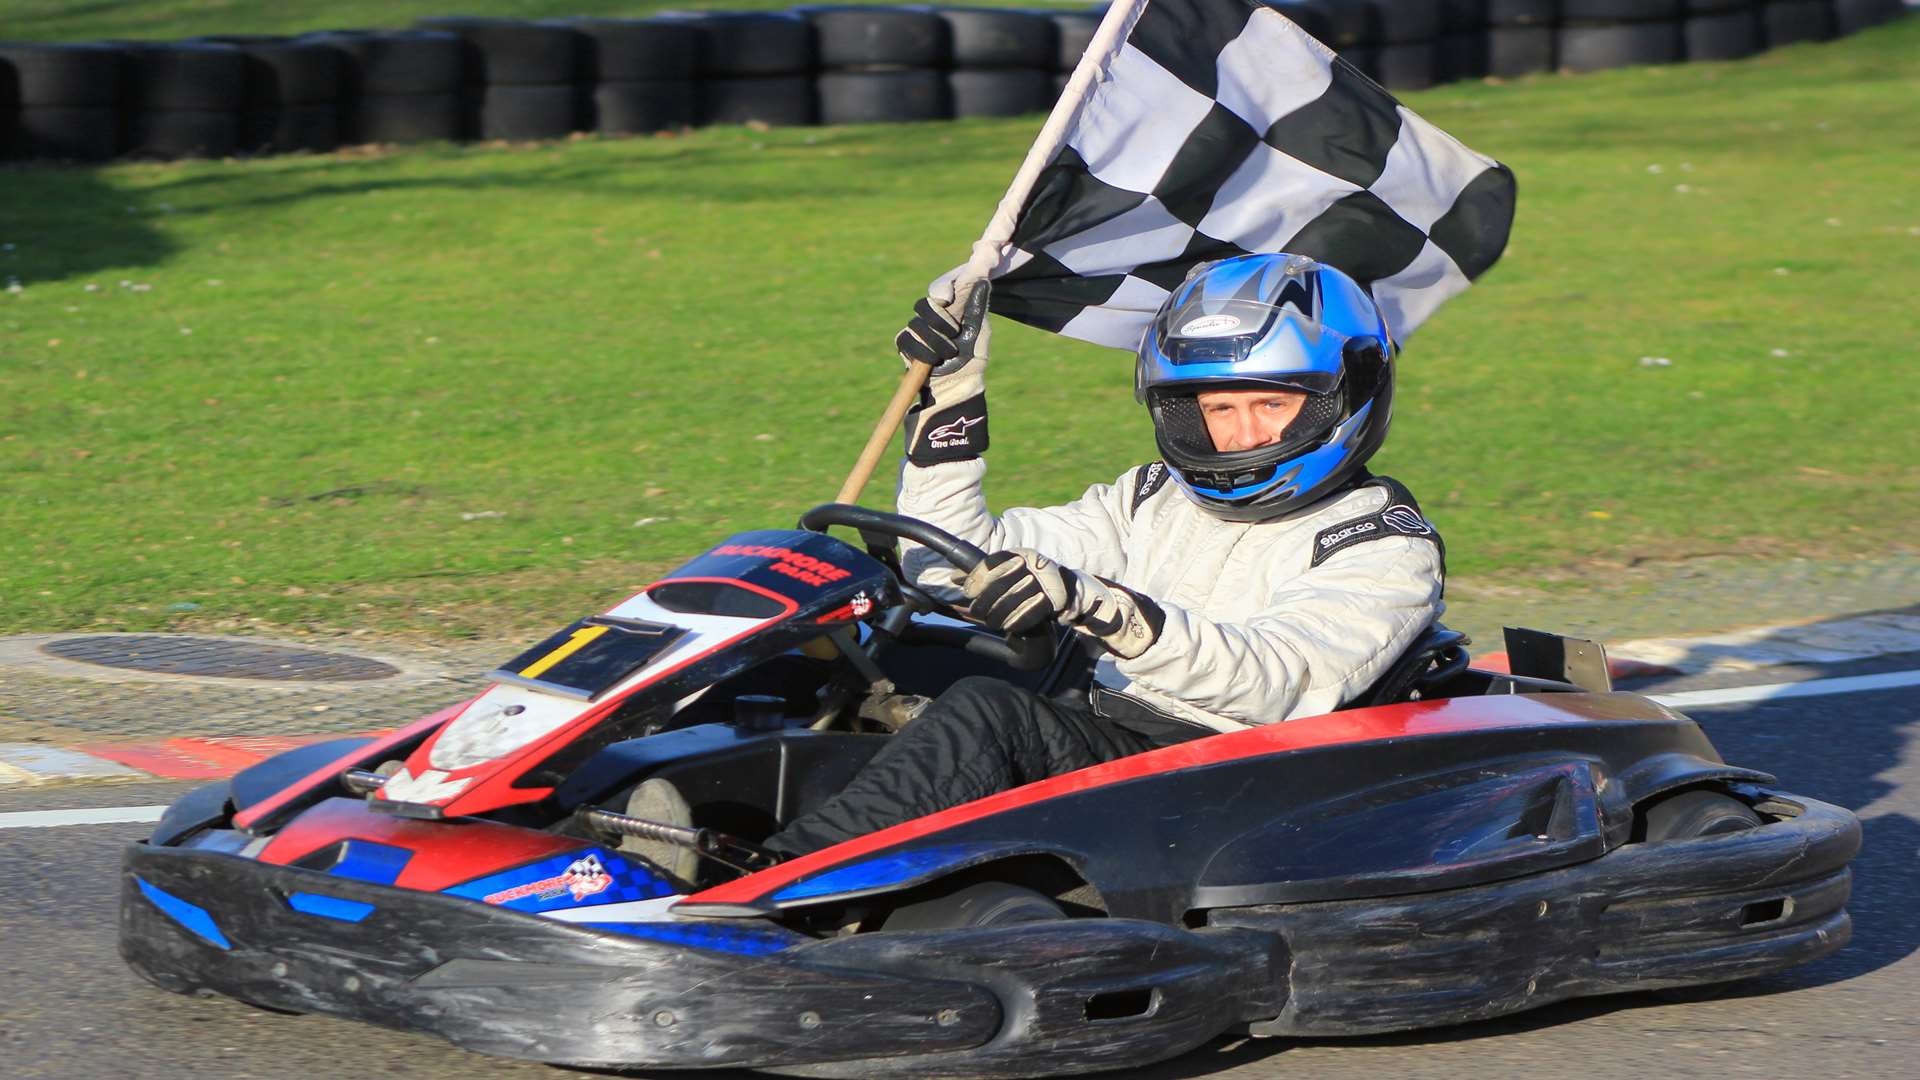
x=69, y=1009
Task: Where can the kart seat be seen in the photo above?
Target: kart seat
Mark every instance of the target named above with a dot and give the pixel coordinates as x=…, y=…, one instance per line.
x=1436, y=656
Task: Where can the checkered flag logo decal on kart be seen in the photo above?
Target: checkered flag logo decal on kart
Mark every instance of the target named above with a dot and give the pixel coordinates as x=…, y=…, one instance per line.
x=1216, y=128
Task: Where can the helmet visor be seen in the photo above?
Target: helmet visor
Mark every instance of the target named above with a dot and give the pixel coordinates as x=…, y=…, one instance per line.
x=1243, y=341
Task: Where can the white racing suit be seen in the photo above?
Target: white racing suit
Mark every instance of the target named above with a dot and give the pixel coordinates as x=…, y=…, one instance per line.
x=1258, y=623
x=1263, y=622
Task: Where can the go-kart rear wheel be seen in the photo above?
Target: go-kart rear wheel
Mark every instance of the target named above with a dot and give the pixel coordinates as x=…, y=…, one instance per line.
x=1697, y=813
x=988, y=903
x=1687, y=816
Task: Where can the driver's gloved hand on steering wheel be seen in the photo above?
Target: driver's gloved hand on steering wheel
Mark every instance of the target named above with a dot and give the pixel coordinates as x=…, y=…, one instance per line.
x=1018, y=591
x=949, y=422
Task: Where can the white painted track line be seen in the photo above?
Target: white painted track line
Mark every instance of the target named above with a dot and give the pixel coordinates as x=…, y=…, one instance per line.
x=1733, y=695
x=93, y=815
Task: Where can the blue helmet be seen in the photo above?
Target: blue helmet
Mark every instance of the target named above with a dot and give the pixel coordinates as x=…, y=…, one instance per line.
x=1268, y=321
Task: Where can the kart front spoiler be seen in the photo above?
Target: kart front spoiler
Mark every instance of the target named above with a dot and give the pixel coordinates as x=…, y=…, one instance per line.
x=1014, y=1000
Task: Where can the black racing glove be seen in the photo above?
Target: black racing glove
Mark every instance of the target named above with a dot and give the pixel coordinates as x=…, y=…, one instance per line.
x=949, y=422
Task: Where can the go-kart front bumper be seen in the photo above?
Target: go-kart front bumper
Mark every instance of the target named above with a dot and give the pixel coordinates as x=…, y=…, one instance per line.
x=1014, y=1000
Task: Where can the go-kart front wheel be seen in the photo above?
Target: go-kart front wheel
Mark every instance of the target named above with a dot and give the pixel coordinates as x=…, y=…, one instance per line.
x=988, y=903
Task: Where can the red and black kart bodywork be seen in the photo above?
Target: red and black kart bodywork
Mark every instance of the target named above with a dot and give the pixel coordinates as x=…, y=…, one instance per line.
x=1370, y=870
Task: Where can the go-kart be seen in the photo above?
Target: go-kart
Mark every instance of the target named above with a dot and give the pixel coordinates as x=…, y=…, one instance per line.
x=1458, y=844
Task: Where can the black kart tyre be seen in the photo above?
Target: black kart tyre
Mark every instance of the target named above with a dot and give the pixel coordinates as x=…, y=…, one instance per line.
x=989, y=903
x=786, y=101
x=1693, y=814
x=986, y=38
x=1850, y=16
x=640, y=108
x=1618, y=11
x=88, y=133
x=402, y=118
x=735, y=45
x=1519, y=50
x=384, y=64
x=884, y=97
x=184, y=75
x=1524, y=12
x=1728, y=36
x=1596, y=48
x=172, y=134
x=281, y=71
x=1364, y=57
x=513, y=52
x=1405, y=22
x=526, y=113
x=1460, y=56
x=64, y=75
x=1788, y=22
x=868, y=36
x=1352, y=24
x=637, y=50
x=1072, y=31
x=1001, y=93
x=1462, y=16
x=313, y=129
x=1407, y=66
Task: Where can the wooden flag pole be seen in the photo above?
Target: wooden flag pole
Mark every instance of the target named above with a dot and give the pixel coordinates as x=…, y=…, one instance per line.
x=988, y=250
x=911, y=381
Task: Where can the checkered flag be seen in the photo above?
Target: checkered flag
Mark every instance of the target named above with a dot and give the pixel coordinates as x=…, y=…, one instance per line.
x=1201, y=129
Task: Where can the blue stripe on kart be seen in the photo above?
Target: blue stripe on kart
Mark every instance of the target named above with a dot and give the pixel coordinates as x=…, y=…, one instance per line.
x=193, y=918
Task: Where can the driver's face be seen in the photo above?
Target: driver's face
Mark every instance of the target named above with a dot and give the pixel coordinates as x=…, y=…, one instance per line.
x=1248, y=419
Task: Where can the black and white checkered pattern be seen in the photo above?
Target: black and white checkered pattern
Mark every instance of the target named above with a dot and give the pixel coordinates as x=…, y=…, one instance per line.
x=1218, y=128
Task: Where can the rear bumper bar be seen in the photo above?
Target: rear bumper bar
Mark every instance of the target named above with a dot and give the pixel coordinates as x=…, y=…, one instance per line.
x=1642, y=917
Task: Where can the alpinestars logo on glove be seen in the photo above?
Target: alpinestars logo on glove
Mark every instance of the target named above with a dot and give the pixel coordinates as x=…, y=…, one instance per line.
x=952, y=433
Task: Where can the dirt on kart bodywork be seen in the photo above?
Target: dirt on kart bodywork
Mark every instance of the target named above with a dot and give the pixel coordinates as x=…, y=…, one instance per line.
x=1409, y=864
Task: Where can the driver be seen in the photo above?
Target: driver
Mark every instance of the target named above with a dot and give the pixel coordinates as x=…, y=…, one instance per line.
x=1256, y=574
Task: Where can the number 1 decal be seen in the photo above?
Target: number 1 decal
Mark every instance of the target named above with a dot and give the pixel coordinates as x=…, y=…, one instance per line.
x=577, y=641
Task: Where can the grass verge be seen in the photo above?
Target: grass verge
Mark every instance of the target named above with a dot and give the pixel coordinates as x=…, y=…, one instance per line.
x=472, y=389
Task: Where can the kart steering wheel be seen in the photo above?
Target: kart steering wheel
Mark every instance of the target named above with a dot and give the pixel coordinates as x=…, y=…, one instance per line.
x=1030, y=651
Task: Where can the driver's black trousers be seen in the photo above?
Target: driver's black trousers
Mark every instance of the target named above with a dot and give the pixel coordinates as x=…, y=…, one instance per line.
x=980, y=737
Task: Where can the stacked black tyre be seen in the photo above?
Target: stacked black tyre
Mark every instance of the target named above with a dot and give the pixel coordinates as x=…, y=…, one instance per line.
x=1072, y=32
x=1408, y=32
x=1789, y=22
x=1460, y=52
x=290, y=101
x=1520, y=37
x=881, y=65
x=1003, y=61
x=181, y=99
x=398, y=86
x=637, y=75
x=755, y=68
x=1852, y=16
x=65, y=102
x=1720, y=29
x=1600, y=34
x=521, y=77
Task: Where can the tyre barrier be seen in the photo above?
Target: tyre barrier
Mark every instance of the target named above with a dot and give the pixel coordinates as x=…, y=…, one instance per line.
x=637, y=76
x=520, y=77
x=463, y=77
x=881, y=65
